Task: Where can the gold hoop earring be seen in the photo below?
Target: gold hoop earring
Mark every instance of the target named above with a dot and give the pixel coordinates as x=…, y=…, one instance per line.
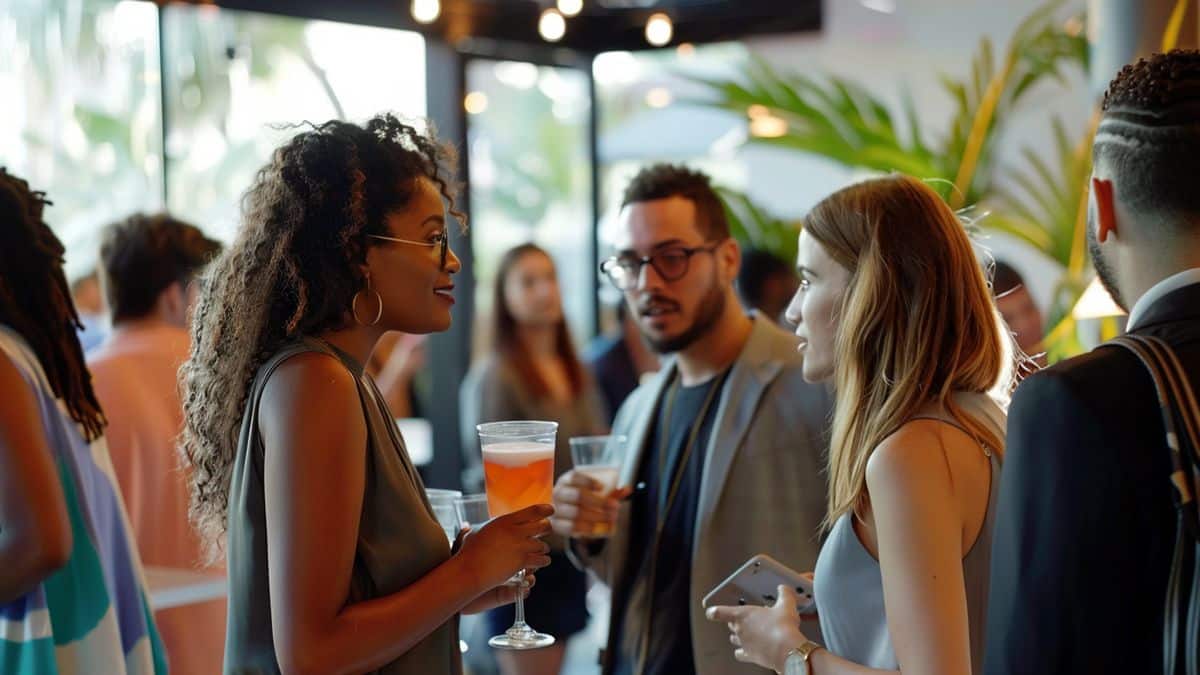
x=354, y=306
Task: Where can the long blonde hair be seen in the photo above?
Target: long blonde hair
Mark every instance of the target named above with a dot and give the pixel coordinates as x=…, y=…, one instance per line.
x=916, y=324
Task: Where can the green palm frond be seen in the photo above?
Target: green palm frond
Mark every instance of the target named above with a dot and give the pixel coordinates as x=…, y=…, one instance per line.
x=1048, y=209
x=1039, y=49
x=1047, y=201
x=837, y=119
x=755, y=227
x=1045, y=206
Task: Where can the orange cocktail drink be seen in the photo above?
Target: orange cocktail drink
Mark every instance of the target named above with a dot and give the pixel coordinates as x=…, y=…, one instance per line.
x=518, y=467
x=518, y=474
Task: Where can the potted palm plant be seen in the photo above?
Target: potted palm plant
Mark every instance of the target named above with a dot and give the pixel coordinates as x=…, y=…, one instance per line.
x=842, y=121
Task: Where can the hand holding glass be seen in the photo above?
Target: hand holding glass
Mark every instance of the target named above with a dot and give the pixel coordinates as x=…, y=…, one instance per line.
x=518, y=469
x=599, y=458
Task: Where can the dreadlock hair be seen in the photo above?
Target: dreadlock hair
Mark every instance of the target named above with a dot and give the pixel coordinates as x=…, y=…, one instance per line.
x=35, y=300
x=293, y=270
x=1149, y=136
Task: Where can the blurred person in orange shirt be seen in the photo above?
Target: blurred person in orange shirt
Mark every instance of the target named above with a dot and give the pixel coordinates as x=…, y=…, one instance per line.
x=148, y=269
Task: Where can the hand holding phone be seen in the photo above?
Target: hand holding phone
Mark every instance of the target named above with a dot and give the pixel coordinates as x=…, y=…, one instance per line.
x=755, y=583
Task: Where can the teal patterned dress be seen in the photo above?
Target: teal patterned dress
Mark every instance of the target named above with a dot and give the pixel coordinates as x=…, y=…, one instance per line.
x=92, y=615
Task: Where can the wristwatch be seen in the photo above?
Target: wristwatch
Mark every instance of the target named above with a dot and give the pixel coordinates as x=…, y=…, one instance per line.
x=804, y=651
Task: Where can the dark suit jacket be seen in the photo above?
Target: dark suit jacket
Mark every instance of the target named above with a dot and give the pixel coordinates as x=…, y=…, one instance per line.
x=1085, y=524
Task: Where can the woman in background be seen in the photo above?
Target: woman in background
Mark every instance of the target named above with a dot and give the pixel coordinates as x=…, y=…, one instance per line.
x=533, y=373
x=71, y=595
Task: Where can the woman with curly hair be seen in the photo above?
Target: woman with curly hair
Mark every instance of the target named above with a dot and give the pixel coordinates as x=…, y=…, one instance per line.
x=71, y=594
x=336, y=562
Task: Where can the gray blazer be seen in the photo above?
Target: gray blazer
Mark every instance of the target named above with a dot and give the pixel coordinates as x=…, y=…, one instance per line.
x=763, y=488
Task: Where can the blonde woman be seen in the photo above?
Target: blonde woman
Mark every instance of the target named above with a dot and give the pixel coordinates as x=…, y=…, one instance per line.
x=893, y=308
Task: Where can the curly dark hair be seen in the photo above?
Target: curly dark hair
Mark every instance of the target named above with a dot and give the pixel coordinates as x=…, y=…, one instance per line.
x=661, y=181
x=292, y=270
x=1149, y=136
x=35, y=300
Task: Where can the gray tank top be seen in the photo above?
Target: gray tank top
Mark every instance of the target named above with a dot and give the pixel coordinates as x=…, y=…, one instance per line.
x=399, y=540
x=848, y=584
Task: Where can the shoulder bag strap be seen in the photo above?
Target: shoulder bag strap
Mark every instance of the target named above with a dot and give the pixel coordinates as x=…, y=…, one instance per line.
x=1177, y=402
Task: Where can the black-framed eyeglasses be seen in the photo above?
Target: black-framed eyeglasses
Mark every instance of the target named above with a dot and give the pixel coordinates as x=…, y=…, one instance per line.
x=670, y=263
x=442, y=240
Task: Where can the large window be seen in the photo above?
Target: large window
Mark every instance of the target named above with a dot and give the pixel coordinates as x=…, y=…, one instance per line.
x=81, y=118
x=239, y=83
x=530, y=179
x=86, y=121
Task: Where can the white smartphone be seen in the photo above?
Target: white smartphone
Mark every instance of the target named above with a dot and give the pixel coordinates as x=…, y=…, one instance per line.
x=756, y=583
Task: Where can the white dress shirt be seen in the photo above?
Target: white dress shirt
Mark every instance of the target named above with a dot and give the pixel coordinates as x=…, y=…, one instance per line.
x=1157, y=291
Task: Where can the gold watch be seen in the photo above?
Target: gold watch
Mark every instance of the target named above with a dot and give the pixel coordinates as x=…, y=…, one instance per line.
x=805, y=651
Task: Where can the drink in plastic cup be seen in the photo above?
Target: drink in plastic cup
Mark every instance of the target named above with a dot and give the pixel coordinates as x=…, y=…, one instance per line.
x=600, y=458
x=518, y=468
x=518, y=464
x=442, y=502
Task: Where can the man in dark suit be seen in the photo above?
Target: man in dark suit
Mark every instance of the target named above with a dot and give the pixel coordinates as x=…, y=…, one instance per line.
x=1086, y=524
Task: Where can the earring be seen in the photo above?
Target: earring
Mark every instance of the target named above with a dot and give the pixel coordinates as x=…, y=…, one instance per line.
x=354, y=305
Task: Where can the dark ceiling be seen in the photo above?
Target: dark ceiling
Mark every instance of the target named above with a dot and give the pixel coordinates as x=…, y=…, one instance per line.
x=603, y=25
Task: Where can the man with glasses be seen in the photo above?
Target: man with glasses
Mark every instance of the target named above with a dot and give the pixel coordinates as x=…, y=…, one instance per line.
x=726, y=442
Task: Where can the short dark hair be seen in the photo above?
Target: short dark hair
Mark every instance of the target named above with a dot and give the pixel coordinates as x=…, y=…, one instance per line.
x=759, y=266
x=662, y=181
x=1005, y=279
x=143, y=255
x=1149, y=136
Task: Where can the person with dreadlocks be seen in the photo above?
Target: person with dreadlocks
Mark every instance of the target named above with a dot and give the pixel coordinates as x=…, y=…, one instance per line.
x=336, y=561
x=1086, y=524
x=71, y=594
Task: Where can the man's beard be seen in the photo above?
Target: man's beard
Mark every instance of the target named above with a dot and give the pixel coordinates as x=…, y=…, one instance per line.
x=1108, y=277
x=708, y=312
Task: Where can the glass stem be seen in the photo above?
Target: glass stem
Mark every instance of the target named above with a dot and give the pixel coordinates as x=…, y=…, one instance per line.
x=519, y=622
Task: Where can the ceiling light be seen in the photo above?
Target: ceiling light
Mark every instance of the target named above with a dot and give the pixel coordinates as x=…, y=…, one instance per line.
x=685, y=50
x=882, y=6
x=570, y=7
x=768, y=126
x=615, y=68
x=659, y=29
x=516, y=74
x=758, y=110
x=475, y=102
x=552, y=26
x=659, y=97
x=426, y=11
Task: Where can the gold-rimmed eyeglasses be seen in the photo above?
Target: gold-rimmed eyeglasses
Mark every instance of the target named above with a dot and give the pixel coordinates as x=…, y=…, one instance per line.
x=441, y=240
